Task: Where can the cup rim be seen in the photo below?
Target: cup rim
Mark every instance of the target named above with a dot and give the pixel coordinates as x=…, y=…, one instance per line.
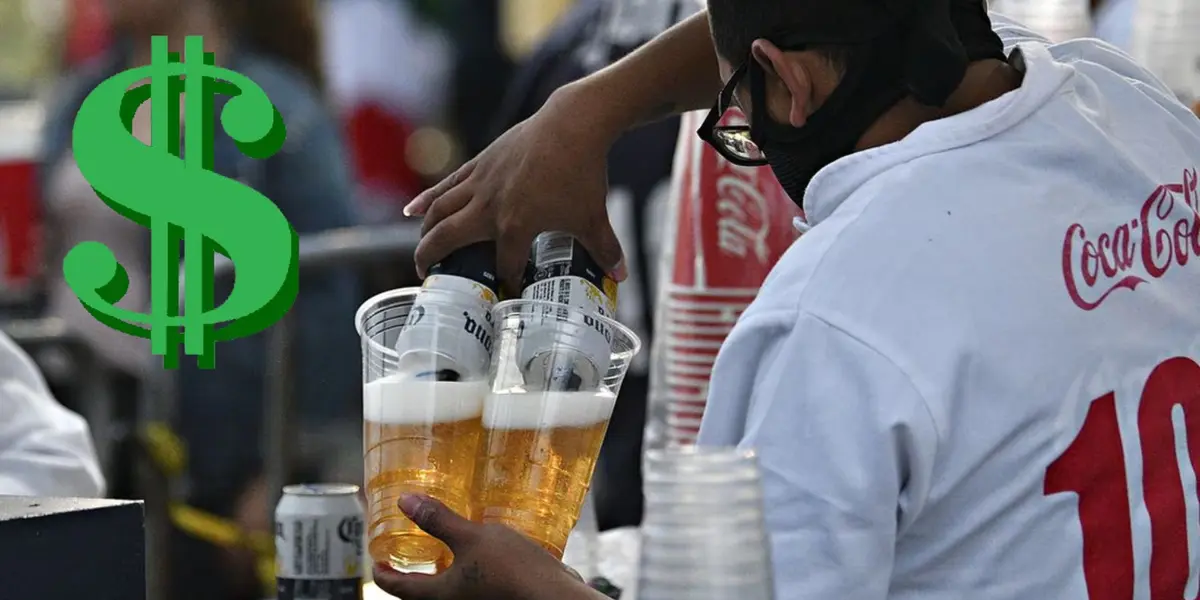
x=682, y=327
x=622, y=329
x=661, y=454
x=693, y=344
x=717, y=292
x=369, y=304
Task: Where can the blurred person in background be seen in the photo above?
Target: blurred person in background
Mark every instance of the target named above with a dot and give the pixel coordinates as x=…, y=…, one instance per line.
x=87, y=32
x=482, y=70
x=592, y=35
x=380, y=105
x=274, y=43
x=45, y=449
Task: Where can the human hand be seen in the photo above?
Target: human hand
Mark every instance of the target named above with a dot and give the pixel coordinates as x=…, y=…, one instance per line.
x=491, y=562
x=547, y=173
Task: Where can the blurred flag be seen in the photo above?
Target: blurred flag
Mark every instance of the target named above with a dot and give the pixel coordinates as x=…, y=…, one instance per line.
x=388, y=73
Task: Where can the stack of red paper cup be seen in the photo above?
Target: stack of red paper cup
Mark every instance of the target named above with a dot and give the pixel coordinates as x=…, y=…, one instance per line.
x=728, y=227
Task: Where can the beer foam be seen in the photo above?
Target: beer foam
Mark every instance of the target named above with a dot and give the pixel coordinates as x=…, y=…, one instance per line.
x=536, y=410
x=401, y=400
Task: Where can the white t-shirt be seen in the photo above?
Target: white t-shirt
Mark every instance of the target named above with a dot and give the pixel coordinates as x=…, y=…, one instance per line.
x=45, y=449
x=918, y=369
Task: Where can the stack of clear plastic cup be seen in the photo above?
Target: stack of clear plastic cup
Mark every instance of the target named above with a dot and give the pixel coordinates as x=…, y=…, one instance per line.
x=703, y=534
x=1058, y=20
x=1165, y=41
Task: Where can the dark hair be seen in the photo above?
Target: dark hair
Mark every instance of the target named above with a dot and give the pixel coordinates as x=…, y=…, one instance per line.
x=737, y=23
x=283, y=29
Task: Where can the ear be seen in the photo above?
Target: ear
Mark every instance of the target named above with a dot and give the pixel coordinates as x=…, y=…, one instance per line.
x=796, y=79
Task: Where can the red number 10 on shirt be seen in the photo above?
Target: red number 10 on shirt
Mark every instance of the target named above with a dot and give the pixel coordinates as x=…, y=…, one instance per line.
x=1093, y=467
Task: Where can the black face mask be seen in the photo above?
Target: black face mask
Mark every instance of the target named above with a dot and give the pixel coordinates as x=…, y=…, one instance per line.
x=912, y=50
x=870, y=86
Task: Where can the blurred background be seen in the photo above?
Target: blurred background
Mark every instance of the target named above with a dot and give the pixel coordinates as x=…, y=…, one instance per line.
x=381, y=98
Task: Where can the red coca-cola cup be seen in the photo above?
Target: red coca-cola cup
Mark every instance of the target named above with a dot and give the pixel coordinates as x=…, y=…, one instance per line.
x=729, y=225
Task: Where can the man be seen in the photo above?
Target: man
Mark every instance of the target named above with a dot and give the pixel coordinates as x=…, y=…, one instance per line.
x=975, y=376
x=45, y=449
x=594, y=34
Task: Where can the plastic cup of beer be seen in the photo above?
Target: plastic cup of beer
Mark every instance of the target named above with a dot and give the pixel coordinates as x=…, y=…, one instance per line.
x=423, y=390
x=556, y=374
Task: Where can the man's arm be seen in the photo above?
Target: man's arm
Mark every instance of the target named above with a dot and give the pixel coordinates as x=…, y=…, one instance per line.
x=845, y=443
x=673, y=73
x=45, y=449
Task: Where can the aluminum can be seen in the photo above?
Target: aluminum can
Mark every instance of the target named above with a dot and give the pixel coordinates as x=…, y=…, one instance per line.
x=448, y=334
x=319, y=542
x=561, y=271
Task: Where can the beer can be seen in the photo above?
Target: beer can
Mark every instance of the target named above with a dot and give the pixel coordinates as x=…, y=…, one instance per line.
x=448, y=333
x=319, y=542
x=561, y=271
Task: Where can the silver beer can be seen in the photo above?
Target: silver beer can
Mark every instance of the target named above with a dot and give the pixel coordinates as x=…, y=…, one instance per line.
x=448, y=333
x=561, y=271
x=319, y=542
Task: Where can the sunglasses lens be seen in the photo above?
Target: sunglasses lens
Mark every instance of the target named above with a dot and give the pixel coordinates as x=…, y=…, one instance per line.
x=736, y=141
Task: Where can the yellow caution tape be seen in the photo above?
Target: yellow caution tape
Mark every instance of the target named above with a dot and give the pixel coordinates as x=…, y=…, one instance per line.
x=219, y=531
x=165, y=448
x=170, y=456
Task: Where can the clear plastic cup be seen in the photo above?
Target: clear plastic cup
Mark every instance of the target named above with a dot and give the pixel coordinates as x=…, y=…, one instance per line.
x=422, y=407
x=556, y=374
x=703, y=535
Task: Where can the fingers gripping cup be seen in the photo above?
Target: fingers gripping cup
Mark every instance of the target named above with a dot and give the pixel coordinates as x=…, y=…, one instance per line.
x=541, y=436
x=424, y=383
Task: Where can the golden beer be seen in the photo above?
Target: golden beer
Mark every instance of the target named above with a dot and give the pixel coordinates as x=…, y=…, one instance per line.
x=418, y=437
x=536, y=460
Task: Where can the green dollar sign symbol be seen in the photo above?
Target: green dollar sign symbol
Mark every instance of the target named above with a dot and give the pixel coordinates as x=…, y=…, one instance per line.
x=180, y=198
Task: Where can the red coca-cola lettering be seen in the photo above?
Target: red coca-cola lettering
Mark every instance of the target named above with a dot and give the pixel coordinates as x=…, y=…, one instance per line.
x=1166, y=232
x=733, y=223
x=742, y=212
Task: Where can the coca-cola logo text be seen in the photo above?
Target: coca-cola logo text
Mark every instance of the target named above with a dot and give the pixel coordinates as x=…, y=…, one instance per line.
x=743, y=216
x=1166, y=233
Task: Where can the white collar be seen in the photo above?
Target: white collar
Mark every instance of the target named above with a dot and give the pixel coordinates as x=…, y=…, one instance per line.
x=835, y=183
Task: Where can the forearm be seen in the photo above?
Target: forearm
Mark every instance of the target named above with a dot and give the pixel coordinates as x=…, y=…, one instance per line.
x=673, y=73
